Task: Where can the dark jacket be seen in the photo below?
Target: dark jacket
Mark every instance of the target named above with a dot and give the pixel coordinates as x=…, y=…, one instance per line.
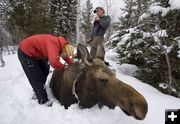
x=101, y=26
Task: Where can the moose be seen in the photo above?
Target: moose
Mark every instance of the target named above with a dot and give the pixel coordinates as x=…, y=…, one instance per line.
x=91, y=82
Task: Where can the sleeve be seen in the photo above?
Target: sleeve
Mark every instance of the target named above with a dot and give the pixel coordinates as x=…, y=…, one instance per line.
x=105, y=22
x=93, y=29
x=68, y=60
x=53, y=56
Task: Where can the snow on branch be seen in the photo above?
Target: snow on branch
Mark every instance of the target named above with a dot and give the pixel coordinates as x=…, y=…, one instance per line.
x=175, y=4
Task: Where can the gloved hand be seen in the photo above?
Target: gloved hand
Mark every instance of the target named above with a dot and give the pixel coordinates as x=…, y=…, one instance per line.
x=65, y=67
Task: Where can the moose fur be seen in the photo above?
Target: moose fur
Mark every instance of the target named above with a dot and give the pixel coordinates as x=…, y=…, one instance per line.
x=91, y=82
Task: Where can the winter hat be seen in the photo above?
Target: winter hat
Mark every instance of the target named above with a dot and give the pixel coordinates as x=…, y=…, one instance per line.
x=99, y=8
x=69, y=49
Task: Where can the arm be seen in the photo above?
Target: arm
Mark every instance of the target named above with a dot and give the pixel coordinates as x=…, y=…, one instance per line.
x=105, y=22
x=68, y=60
x=53, y=56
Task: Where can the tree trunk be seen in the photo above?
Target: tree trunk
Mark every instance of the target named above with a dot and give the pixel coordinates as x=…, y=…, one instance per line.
x=109, y=30
x=2, y=63
x=78, y=23
x=169, y=67
x=7, y=48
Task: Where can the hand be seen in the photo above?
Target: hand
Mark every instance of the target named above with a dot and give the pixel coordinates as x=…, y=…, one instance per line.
x=65, y=67
x=97, y=18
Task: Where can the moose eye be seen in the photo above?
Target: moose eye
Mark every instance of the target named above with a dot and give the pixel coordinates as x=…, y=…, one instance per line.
x=103, y=82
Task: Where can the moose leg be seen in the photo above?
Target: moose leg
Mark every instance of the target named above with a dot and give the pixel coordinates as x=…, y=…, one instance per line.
x=67, y=98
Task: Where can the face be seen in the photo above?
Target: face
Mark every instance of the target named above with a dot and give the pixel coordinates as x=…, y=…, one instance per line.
x=64, y=54
x=99, y=12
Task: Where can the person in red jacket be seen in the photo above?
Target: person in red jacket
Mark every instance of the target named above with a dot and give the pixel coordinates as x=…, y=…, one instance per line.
x=34, y=53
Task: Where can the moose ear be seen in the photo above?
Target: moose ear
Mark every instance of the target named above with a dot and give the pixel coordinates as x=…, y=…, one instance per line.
x=83, y=53
x=100, y=53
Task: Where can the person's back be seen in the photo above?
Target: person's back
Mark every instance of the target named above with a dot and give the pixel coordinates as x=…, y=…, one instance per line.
x=36, y=45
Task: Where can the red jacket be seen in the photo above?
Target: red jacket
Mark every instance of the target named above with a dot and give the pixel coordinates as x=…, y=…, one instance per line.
x=45, y=46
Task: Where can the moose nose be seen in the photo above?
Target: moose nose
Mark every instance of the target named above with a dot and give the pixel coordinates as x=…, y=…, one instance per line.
x=139, y=114
x=139, y=110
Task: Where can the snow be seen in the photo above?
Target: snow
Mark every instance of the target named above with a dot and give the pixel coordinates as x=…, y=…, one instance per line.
x=127, y=36
x=161, y=33
x=127, y=69
x=144, y=15
x=17, y=107
x=179, y=48
x=175, y=4
x=156, y=9
x=163, y=85
x=178, y=41
x=179, y=53
x=157, y=35
x=168, y=49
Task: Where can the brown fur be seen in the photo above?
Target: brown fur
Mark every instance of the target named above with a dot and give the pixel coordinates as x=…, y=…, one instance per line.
x=95, y=83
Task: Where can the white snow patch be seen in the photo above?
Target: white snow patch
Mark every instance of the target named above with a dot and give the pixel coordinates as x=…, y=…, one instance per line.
x=143, y=16
x=156, y=9
x=127, y=36
x=175, y=4
x=127, y=69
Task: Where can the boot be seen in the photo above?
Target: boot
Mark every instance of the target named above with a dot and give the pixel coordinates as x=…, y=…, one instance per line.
x=34, y=97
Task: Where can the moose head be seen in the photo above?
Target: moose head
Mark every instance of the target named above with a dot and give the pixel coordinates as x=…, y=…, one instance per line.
x=91, y=82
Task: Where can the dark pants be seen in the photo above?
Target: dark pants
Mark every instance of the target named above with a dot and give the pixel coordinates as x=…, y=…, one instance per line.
x=97, y=40
x=36, y=72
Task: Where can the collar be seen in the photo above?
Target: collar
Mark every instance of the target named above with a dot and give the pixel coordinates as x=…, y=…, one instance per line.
x=74, y=87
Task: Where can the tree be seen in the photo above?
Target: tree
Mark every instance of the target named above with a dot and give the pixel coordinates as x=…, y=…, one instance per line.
x=148, y=40
x=78, y=22
x=87, y=19
x=2, y=63
x=109, y=8
x=3, y=7
x=63, y=15
x=164, y=66
x=29, y=17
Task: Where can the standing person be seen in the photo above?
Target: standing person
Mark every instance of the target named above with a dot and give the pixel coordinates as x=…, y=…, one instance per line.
x=101, y=23
x=34, y=53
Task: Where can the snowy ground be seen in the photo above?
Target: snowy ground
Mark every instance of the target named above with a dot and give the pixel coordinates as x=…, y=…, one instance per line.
x=16, y=106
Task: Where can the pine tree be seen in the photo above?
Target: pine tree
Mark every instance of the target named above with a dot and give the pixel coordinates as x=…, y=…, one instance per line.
x=129, y=23
x=163, y=63
x=87, y=18
x=3, y=7
x=78, y=23
x=63, y=14
x=148, y=40
x=30, y=17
